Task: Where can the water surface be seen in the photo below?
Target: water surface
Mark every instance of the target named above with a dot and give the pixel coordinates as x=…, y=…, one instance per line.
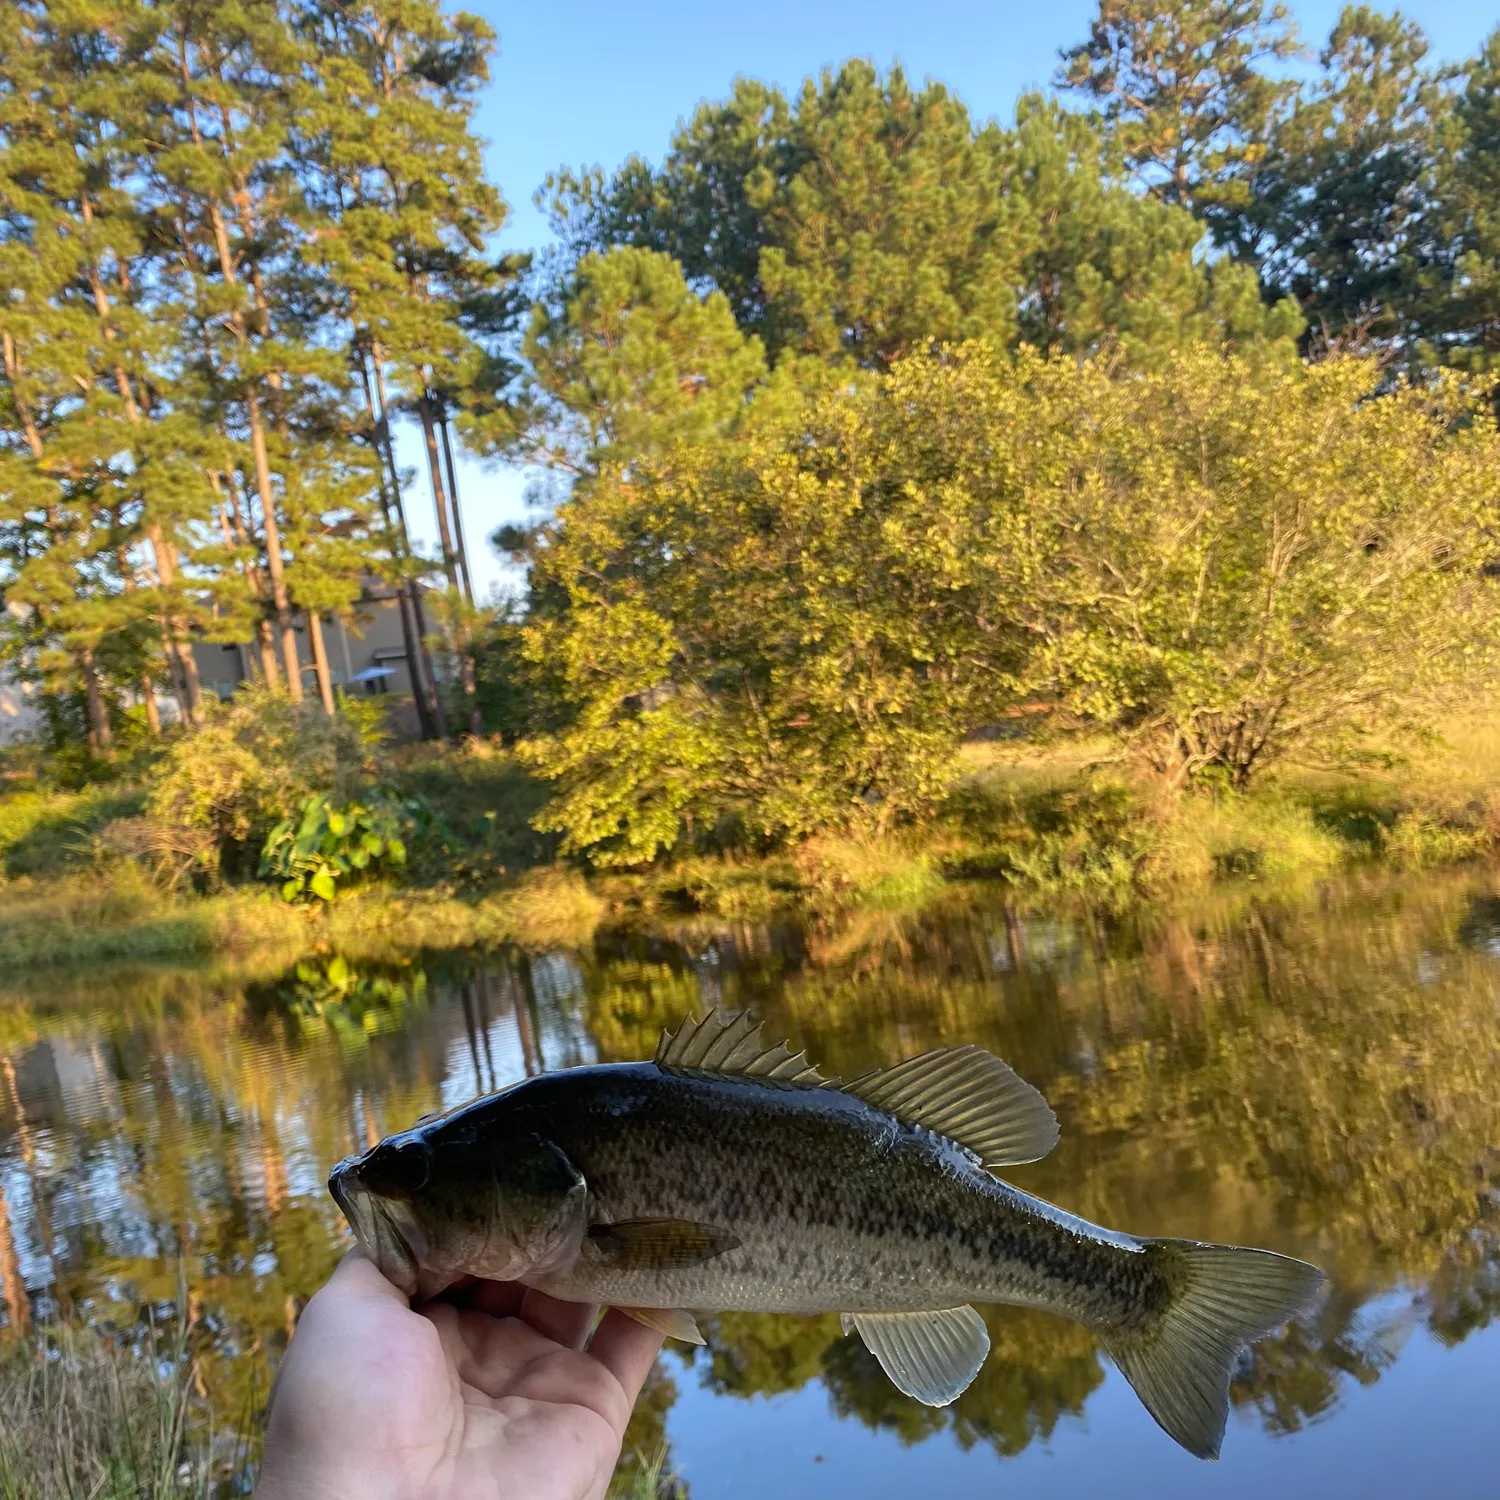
x=1320, y=1076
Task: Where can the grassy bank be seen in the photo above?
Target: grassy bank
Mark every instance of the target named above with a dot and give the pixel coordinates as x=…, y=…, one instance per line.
x=85, y=1417
x=1050, y=824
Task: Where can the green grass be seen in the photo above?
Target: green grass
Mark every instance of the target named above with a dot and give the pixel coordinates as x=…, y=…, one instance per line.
x=1053, y=824
x=49, y=833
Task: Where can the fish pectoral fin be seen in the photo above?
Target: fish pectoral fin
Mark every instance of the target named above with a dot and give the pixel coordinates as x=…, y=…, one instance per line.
x=659, y=1244
x=930, y=1356
x=671, y=1321
x=968, y=1095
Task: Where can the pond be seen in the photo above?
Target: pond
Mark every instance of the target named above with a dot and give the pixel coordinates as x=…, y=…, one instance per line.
x=1319, y=1076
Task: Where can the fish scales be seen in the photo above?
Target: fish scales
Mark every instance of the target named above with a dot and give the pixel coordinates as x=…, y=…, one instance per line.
x=726, y=1175
x=834, y=1204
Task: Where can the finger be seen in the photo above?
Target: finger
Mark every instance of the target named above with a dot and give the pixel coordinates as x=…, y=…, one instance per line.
x=566, y=1322
x=356, y=1275
x=626, y=1349
x=500, y=1299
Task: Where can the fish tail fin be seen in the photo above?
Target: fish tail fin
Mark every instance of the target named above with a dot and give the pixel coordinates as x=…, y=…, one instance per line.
x=1181, y=1358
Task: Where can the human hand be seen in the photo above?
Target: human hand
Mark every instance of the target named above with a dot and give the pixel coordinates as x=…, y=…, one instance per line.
x=497, y=1398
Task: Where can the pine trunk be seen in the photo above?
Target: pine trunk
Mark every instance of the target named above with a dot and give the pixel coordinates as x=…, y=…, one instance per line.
x=424, y=678
x=450, y=569
x=275, y=565
x=101, y=738
x=410, y=637
x=458, y=520
x=320, y=661
x=148, y=702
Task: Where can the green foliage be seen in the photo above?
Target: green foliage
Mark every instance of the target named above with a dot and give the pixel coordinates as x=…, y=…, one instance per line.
x=1339, y=212
x=1462, y=316
x=325, y=846
x=866, y=220
x=250, y=762
x=1185, y=87
x=1217, y=562
x=44, y=834
x=1231, y=561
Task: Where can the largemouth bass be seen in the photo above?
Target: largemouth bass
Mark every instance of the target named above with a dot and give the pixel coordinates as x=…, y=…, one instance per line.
x=731, y=1175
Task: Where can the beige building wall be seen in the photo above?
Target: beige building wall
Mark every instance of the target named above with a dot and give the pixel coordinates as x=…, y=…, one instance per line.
x=372, y=641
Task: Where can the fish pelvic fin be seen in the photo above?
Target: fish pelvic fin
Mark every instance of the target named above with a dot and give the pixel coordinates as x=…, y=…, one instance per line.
x=1181, y=1359
x=968, y=1095
x=671, y=1321
x=932, y=1357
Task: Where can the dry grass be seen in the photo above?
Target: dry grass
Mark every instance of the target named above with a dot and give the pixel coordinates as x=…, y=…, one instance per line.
x=82, y=1418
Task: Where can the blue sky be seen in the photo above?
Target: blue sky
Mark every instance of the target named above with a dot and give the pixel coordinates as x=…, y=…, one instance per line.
x=577, y=84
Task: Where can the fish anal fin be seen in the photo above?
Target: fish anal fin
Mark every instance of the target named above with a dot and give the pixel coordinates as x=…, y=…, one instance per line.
x=659, y=1244
x=930, y=1356
x=731, y=1044
x=1222, y=1298
x=671, y=1321
x=968, y=1095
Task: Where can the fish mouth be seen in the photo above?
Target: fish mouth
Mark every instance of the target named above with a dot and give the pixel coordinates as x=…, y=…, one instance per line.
x=379, y=1236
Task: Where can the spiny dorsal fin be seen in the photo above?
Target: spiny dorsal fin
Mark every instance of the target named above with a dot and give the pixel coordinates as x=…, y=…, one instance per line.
x=732, y=1042
x=968, y=1095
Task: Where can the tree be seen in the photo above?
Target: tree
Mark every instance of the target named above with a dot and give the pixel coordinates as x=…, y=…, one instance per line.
x=110, y=503
x=869, y=220
x=1225, y=562
x=1341, y=210
x=405, y=191
x=1182, y=85
x=1463, y=311
x=758, y=610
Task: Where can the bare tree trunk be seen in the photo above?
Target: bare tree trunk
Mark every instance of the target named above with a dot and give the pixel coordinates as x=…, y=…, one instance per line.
x=256, y=423
x=458, y=520
x=424, y=656
x=450, y=567
x=264, y=648
x=274, y=562
x=395, y=525
x=320, y=661
x=101, y=737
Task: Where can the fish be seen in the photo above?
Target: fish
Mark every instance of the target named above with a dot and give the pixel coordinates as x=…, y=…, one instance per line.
x=728, y=1174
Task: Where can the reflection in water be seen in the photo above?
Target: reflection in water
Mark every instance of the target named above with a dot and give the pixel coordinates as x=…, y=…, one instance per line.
x=1319, y=1080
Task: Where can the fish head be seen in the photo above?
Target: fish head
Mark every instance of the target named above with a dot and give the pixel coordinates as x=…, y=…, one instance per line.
x=444, y=1200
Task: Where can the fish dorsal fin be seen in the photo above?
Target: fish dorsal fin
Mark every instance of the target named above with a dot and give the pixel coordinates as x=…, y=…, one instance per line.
x=968, y=1095
x=732, y=1043
x=930, y=1356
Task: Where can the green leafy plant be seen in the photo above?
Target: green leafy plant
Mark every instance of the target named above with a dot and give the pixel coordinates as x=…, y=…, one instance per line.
x=324, y=846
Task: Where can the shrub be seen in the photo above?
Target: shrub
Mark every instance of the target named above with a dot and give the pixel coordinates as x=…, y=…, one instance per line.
x=251, y=762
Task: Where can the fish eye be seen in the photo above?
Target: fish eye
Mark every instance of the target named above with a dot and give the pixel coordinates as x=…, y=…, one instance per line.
x=397, y=1168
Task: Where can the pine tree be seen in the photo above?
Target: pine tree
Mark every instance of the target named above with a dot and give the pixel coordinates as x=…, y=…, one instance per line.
x=1183, y=85
x=1463, y=302
x=86, y=357
x=1341, y=213
x=878, y=219
x=405, y=184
